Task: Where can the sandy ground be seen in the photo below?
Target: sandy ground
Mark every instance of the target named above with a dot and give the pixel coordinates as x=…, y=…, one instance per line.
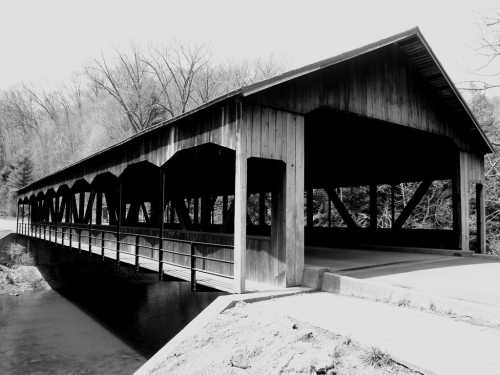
x=250, y=339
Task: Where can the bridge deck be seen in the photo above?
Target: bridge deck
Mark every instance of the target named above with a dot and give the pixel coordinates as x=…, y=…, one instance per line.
x=150, y=263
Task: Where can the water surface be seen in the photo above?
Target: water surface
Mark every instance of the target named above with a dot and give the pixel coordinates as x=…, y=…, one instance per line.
x=96, y=321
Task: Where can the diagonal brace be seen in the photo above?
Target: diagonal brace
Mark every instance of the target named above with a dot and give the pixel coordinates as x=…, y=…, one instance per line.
x=342, y=210
x=414, y=201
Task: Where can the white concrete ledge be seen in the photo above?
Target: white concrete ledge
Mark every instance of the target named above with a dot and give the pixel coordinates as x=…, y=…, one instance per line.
x=349, y=286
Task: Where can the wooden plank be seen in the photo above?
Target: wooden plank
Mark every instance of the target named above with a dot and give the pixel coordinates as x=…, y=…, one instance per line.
x=480, y=219
x=299, y=199
x=240, y=204
x=460, y=199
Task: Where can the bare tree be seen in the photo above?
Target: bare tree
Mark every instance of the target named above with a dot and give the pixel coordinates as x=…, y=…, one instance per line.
x=128, y=83
x=177, y=71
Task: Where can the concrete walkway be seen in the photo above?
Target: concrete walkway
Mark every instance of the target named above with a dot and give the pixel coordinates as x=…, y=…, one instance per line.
x=436, y=344
x=467, y=278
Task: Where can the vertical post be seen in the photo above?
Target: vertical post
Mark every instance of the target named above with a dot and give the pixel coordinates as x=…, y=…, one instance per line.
x=309, y=207
x=193, y=268
x=224, y=208
x=91, y=208
x=17, y=218
x=81, y=206
x=480, y=219
x=240, y=211
x=22, y=218
x=62, y=226
x=373, y=206
x=196, y=209
x=137, y=253
x=70, y=209
x=98, y=208
x=262, y=208
x=393, y=206
x=29, y=219
x=79, y=239
x=102, y=244
x=162, y=214
x=118, y=222
x=460, y=199
x=329, y=212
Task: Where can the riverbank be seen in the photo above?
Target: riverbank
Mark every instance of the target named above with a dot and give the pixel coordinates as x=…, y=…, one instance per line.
x=18, y=274
x=256, y=339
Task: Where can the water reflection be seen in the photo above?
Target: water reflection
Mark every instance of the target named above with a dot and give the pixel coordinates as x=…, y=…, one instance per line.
x=98, y=321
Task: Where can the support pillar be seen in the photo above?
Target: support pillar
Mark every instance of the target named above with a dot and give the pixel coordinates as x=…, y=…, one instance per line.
x=461, y=202
x=161, y=220
x=119, y=221
x=480, y=219
x=240, y=220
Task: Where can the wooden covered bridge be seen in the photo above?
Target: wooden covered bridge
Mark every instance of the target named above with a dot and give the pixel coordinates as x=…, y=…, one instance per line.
x=224, y=194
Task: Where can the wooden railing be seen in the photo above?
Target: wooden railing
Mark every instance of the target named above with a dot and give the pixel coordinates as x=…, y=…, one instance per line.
x=184, y=254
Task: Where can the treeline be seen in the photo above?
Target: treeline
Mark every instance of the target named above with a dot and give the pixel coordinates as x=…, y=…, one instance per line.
x=110, y=99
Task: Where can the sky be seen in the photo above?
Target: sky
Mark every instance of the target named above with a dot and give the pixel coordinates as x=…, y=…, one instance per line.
x=45, y=42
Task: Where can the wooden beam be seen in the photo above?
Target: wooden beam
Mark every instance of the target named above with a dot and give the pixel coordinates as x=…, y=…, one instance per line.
x=74, y=213
x=81, y=207
x=413, y=202
x=262, y=208
x=240, y=204
x=480, y=219
x=373, y=206
x=342, y=210
x=98, y=208
x=161, y=219
x=112, y=209
x=88, y=211
x=145, y=213
x=182, y=212
x=309, y=208
x=460, y=198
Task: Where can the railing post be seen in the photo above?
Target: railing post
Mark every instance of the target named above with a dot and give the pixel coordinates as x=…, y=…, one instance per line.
x=79, y=240
x=90, y=219
x=71, y=220
x=137, y=252
x=102, y=244
x=162, y=213
x=193, y=266
x=17, y=219
x=118, y=223
x=90, y=235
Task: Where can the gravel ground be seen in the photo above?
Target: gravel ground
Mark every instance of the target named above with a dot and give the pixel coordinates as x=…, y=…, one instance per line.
x=255, y=339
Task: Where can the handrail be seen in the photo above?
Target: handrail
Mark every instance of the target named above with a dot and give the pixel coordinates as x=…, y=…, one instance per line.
x=64, y=234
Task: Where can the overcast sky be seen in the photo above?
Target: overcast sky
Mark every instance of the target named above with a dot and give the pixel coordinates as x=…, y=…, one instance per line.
x=44, y=42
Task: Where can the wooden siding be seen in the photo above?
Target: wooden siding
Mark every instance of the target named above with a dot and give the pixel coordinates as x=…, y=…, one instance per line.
x=279, y=135
x=216, y=125
x=380, y=85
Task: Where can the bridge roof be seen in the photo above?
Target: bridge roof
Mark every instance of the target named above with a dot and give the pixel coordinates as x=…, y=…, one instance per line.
x=411, y=42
